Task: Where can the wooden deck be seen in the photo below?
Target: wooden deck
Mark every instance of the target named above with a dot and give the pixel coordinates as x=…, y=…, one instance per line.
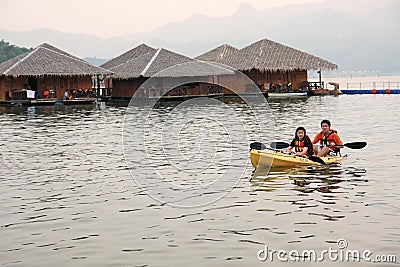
x=184, y=97
x=28, y=102
x=79, y=101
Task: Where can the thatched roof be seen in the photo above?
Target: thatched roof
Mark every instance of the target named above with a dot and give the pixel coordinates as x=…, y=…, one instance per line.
x=48, y=60
x=218, y=54
x=267, y=55
x=196, y=68
x=165, y=63
x=129, y=55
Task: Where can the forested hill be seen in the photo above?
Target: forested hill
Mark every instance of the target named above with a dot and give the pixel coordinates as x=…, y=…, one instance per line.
x=8, y=50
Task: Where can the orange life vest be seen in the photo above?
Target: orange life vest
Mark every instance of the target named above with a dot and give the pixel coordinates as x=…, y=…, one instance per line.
x=326, y=140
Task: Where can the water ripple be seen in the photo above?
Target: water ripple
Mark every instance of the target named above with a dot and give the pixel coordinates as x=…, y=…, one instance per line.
x=67, y=197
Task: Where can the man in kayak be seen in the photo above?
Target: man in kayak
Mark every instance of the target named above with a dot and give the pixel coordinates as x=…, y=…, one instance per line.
x=328, y=140
x=301, y=143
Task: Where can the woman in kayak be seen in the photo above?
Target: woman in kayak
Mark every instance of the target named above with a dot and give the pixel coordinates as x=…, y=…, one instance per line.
x=301, y=143
x=328, y=140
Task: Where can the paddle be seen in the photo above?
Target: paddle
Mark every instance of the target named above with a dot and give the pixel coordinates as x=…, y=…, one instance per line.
x=279, y=145
x=261, y=146
x=352, y=145
x=258, y=146
x=317, y=159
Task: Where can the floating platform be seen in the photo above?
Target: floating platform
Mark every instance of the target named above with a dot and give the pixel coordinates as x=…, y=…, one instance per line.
x=27, y=102
x=79, y=101
x=370, y=91
x=183, y=97
x=47, y=102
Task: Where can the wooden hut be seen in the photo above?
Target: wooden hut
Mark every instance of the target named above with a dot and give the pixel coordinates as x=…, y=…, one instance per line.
x=45, y=73
x=233, y=84
x=270, y=65
x=129, y=55
x=165, y=67
x=119, y=60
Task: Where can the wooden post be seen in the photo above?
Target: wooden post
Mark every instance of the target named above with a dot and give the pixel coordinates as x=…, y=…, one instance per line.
x=287, y=80
x=257, y=77
x=98, y=85
x=12, y=89
x=219, y=90
x=108, y=87
x=320, y=78
x=55, y=87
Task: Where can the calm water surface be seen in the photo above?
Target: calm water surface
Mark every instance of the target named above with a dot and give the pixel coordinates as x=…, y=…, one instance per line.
x=67, y=197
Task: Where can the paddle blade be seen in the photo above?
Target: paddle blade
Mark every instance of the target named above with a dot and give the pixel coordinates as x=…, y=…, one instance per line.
x=279, y=145
x=356, y=145
x=257, y=146
x=317, y=159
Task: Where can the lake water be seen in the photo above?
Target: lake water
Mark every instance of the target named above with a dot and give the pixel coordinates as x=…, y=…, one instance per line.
x=75, y=192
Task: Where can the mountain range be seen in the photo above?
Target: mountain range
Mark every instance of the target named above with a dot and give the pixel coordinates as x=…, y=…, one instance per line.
x=357, y=35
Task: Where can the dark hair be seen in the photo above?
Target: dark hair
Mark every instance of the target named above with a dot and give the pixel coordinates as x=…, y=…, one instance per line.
x=327, y=122
x=300, y=129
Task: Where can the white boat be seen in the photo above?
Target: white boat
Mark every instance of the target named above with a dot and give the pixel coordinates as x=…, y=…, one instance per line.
x=288, y=94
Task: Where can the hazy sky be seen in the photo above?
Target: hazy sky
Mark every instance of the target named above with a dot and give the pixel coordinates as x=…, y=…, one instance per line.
x=115, y=17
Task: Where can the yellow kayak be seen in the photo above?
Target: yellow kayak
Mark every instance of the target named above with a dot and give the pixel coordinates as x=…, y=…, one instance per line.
x=270, y=158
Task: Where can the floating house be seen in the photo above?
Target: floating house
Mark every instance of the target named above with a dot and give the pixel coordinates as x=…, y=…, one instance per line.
x=129, y=55
x=122, y=85
x=44, y=75
x=233, y=84
x=133, y=68
x=271, y=65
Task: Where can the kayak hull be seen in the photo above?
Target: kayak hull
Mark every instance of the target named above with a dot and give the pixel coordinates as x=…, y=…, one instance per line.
x=270, y=158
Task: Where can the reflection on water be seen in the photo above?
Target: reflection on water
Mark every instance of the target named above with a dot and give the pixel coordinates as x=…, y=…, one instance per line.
x=67, y=197
x=310, y=180
x=307, y=179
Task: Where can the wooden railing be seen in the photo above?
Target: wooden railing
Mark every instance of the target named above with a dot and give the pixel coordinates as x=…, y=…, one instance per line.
x=373, y=85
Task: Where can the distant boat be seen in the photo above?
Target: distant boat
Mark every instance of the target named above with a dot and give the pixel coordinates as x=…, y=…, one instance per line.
x=43, y=102
x=287, y=94
x=323, y=91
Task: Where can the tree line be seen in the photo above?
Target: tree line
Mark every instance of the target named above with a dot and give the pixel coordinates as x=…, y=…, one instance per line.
x=8, y=50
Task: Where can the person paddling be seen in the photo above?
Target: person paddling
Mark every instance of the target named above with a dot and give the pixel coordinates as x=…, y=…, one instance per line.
x=301, y=143
x=328, y=140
